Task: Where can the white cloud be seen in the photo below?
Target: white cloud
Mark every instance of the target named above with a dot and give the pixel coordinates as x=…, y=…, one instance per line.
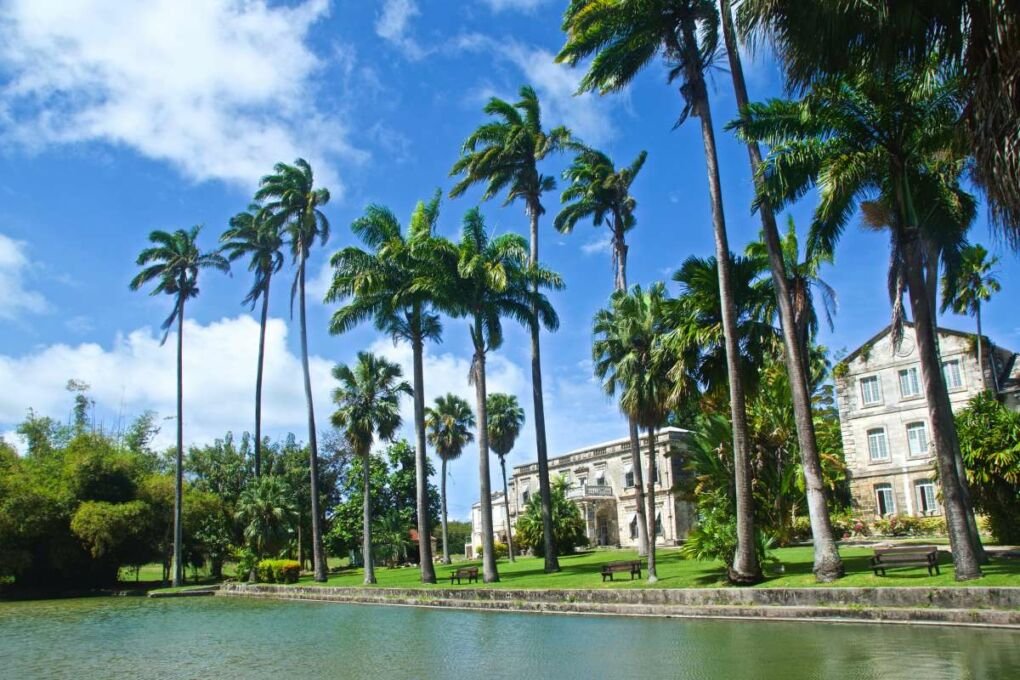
x=518, y=5
x=602, y=244
x=220, y=89
x=394, y=24
x=15, y=298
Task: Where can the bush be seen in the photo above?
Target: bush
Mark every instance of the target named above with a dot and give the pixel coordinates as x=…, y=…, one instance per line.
x=715, y=537
x=904, y=525
x=278, y=571
x=846, y=525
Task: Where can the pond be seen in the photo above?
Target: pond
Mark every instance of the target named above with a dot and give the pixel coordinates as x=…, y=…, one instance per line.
x=218, y=637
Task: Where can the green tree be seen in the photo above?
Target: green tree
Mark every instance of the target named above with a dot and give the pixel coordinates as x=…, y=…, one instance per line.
x=290, y=193
x=568, y=525
x=173, y=263
x=449, y=425
x=504, y=155
x=255, y=233
x=621, y=38
x=506, y=417
x=368, y=405
x=267, y=511
x=393, y=285
x=965, y=288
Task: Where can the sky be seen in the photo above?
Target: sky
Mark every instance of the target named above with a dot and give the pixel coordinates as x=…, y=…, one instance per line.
x=121, y=117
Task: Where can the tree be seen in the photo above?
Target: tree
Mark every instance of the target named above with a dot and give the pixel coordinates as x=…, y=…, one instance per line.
x=255, y=233
x=505, y=155
x=449, y=425
x=506, y=417
x=268, y=513
x=392, y=285
x=966, y=288
x=495, y=281
x=290, y=194
x=890, y=134
x=622, y=37
x=173, y=262
x=568, y=525
x=368, y=405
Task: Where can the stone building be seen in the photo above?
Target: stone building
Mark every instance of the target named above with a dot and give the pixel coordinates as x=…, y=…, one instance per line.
x=601, y=479
x=884, y=416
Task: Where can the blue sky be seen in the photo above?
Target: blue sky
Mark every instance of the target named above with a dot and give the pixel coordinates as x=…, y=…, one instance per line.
x=117, y=118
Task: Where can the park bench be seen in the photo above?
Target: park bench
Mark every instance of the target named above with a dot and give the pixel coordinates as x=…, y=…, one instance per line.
x=470, y=573
x=633, y=567
x=906, y=556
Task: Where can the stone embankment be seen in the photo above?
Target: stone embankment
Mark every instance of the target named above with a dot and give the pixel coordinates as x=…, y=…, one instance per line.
x=996, y=607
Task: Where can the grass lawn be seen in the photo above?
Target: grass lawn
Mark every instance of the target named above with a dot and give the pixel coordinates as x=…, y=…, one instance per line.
x=583, y=571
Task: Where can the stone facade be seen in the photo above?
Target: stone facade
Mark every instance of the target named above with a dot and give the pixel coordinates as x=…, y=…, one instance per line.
x=601, y=483
x=884, y=417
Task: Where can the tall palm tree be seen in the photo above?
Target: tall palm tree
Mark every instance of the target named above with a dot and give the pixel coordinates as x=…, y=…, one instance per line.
x=506, y=417
x=504, y=155
x=495, y=281
x=622, y=37
x=892, y=134
x=268, y=512
x=368, y=405
x=290, y=193
x=628, y=359
x=791, y=298
x=449, y=425
x=173, y=262
x=392, y=285
x=255, y=233
x=964, y=290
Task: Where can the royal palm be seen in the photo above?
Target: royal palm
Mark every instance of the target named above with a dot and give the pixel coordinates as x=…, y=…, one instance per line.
x=506, y=417
x=966, y=288
x=449, y=425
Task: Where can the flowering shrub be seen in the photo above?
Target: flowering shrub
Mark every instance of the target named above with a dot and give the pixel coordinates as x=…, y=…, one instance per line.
x=278, y=571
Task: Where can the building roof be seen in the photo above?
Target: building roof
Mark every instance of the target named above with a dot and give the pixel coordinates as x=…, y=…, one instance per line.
x=606, y=444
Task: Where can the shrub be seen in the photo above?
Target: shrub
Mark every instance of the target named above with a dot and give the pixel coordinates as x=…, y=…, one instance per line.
x=501, y=549
x=846, y=525
x=278, y=571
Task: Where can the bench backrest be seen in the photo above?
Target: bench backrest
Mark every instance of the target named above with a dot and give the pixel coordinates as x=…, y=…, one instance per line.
x=924, y=550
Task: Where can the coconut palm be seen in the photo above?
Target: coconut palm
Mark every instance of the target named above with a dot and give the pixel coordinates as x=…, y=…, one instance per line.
x=392, y=285
x=495, y=282
x=506, y=417
x=290, y=193
x=255, y=233
x=368, y=406
x=621, y=38
x=173, y=262
x=268, y=512
x=449, y=425
x=964, y=291
x=504, y=155
x=891, y=134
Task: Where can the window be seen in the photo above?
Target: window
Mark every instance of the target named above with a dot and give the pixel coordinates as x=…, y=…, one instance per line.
x=628, y=475
x=917, y=439
x=910, y=386
x=655, y=471
x=600, y=478
x=525, y=493
x=884, y=497
x=878, y=448
x=658, y=524
x=952, y=373
x=926, y=502
x=871, y=391
x=633, y=526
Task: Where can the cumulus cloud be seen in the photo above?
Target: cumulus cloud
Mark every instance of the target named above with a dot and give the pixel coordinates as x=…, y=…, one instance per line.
x=518, y=5
x=598, y=245
x=220, y=89
x=16, y=298
x=394, y=26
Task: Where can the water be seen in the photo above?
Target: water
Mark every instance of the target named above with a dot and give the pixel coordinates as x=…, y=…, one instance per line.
x=215, y=637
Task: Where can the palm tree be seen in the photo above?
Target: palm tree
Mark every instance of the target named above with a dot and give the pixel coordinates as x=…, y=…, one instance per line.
x=291, y=195
x=173, y=263
x=505, y=155
x=506, y=417
x=891, y=134
x=267, y=511
x=255, y=233
x=368, y=405
x=964, y=290
x=449, y=425
x=494, y=282
x=392, y=286
x=628, y=359
x=622, y=37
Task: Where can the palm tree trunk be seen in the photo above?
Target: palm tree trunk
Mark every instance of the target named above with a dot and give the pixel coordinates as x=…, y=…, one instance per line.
x=366, y=519
x=745, y=567
x=318, y=558
x=965, y=557
x=428, y=571
x=552, y=562
x=489, y=572
x=442, y=496
x=827, y=563
x=300, y=547
x=506, y=509
x=980, y=344
x=619, y=254
x=653, y=526
x=178, y=565
x=258, y=378
x=639, y=492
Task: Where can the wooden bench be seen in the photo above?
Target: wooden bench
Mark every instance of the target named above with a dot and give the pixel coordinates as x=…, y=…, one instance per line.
x=632, y=567
x=906, y=556
x=470, y=573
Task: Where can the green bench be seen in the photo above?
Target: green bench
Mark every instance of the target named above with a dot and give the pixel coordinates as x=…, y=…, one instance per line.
x=906, y=556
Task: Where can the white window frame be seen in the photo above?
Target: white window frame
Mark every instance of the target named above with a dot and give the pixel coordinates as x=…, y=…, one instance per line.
x=864, y=392
x=911, y=428
x=880, y=490
x=920, y=487
x=628, y=475
x=911, y=373
x=959, y=374
x=885, y=445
